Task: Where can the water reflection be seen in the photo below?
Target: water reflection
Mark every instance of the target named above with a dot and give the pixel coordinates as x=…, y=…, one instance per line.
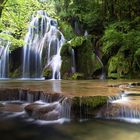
x=56, y=86
x=69, y=87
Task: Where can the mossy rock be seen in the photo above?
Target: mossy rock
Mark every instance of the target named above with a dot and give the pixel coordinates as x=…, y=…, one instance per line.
x=77, y=76
x=84, y=58
x=66, y=67
x=47, y=73
x=77, y=41
x=15, y=74
x=66, y=70
x=87, y=107
x=136, y=63
x=119, y=67
x=66, y=50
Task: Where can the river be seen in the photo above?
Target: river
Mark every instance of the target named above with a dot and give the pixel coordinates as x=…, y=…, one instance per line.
x=17, y=126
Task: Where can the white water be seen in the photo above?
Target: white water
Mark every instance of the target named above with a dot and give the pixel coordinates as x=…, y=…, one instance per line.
x=43, y=38
x=126, y=107
x=4, y=58
x=73, y=68
x=103, y=73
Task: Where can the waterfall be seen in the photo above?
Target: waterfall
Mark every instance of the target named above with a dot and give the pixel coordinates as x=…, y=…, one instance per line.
x=66, y=108
x=103, y=73
x=4, y=58
x=43, y=36
x=73, y=68
x=123, y=107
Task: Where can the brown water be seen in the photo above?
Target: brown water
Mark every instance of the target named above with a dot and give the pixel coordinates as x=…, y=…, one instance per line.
x=68, y=87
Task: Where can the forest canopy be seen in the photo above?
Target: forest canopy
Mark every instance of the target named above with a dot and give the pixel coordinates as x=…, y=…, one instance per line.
x=113, y=27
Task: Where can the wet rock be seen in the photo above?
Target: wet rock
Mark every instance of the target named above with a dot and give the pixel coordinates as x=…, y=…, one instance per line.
x=56, y=104
x=87, y=107
x=32, y=108
x=52, y=115
x=110, y=111
x=1, y=105
x=7, y=94
x=43, y=111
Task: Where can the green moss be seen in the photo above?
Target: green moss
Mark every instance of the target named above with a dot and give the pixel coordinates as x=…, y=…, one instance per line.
x=67, y=30
x=66, y=55
x=77, y=41
x=136, y=63
x=118, y=66
x=47, y=73
x=77, y=76
x=85, y=63
x=86, y=106
x=16, y=73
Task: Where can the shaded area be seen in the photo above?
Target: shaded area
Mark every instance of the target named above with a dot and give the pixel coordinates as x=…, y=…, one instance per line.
x=91, y=130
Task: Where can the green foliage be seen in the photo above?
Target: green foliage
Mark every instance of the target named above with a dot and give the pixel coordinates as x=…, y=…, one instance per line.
x=67, y=30
x=17, y=14
x=119, y=21
x=111, y=41
x=77, y=41
x=84, y=57
x=136, y=63
x=77, y=76
x=121, y=43
x=80, y=105
x=14, y=42
x=118, y=66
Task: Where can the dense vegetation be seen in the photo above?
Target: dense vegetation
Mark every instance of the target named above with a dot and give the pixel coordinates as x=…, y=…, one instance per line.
x=106, y=30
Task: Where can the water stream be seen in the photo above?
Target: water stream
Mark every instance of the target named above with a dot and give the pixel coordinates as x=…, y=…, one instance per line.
x=4, y=58
x=43, y=38
x=123, y=106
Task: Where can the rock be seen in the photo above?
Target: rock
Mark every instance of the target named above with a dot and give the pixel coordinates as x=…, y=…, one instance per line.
x=32, y=108
x=87, y=107
x=1, y=105
x=7, y=94
x=43, y=111
x=53, y=115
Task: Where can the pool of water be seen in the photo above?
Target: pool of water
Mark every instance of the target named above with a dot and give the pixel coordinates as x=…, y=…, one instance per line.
x=18, y=129
x=68, y=87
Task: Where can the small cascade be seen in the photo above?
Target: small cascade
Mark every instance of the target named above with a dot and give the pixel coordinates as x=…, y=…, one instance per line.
x=56, y=40
x=66, y=108
x=32, y=96
x=73, y=67
x=124, y=107
x=4, y=58
x=121, y=98
x=103, y=72
x=86, y=33
x=43, y=38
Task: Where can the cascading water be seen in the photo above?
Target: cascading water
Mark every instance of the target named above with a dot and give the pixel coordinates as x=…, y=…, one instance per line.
x=4, y=58
x=103, y=73
x=73, y=67
x=43, y=36
x=123, y=107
